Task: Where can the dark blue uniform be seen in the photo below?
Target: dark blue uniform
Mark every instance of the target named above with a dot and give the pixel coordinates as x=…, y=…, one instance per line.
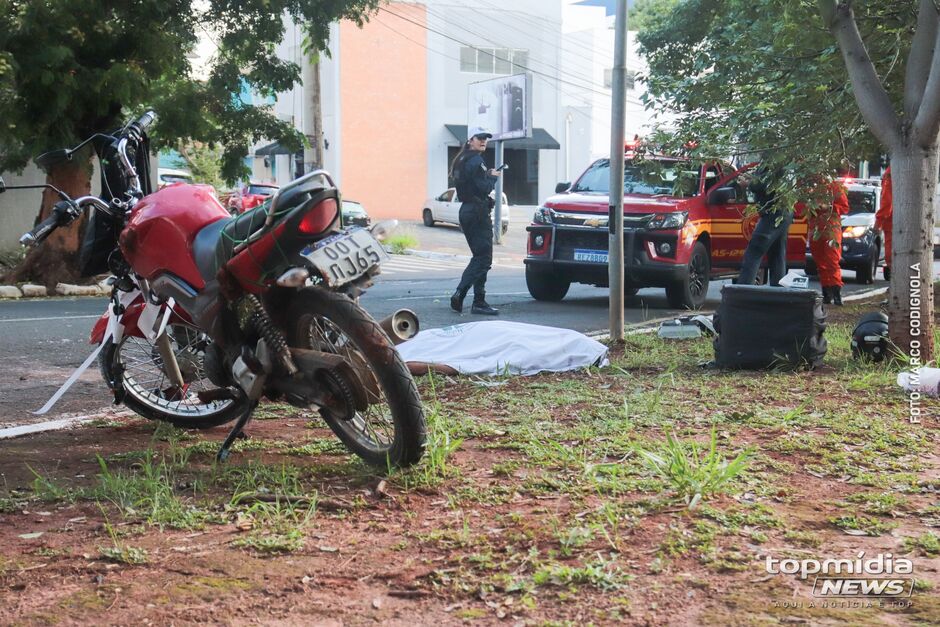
x=474, y=184
x=770, y=234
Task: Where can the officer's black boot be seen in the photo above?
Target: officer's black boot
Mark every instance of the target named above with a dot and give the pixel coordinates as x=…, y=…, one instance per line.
x=827, y=295
x=456, y=301
x=481, y=307
x=836, y=295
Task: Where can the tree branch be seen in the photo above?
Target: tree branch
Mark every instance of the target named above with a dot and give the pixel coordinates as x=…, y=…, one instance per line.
x=873, y=100
x=920, y=58
x=927, y=121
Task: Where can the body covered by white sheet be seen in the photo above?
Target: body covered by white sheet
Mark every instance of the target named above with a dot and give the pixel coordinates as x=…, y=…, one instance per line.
x=499, y=347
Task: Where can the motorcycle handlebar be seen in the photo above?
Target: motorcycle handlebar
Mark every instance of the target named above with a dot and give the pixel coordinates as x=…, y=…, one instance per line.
x=143, y=122
x=63, y=213
x=41, y=232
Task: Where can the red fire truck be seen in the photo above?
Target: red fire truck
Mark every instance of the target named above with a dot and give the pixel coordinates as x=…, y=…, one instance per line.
x=685, y=224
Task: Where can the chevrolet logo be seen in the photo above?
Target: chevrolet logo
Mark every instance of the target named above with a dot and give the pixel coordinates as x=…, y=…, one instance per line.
x=595, y=222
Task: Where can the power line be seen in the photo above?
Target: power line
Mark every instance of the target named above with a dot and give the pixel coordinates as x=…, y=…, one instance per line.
x=462, y=43
x=547, y=81
x=480, y=28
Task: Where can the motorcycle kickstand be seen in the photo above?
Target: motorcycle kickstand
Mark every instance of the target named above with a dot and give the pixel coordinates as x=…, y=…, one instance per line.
x=236, y=432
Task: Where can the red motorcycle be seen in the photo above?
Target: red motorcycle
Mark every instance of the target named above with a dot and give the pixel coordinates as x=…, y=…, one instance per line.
x=209, y=313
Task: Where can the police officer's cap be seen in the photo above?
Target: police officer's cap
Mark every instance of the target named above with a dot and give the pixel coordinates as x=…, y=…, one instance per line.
x=479, y=131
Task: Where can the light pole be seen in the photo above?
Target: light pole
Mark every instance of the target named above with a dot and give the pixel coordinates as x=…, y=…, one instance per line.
x=615, y=261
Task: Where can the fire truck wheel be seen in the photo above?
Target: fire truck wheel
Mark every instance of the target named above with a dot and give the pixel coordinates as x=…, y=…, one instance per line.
x=691, y=292
x=544, y=285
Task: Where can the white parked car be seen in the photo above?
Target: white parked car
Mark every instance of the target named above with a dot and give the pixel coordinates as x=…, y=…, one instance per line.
x=166, y=176
x=446, y=208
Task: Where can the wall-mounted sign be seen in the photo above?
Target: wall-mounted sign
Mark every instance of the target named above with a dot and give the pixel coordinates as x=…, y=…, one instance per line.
x=502, y=106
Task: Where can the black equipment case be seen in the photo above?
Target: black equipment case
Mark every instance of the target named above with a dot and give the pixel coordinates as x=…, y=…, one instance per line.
x=761, y=327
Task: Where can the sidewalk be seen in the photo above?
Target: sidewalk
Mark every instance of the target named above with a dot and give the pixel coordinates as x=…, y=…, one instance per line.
x=448, y=242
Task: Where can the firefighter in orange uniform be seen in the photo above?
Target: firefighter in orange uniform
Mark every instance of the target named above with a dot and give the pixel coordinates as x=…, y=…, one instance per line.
x=883, y=218
x=825, y=242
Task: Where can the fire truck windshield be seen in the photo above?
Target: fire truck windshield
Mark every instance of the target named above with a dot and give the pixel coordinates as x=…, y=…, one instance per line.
x=677, y=179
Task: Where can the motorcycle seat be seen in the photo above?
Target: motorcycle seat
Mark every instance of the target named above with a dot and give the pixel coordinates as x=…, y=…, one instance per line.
x=215, y=244
x=238, y=230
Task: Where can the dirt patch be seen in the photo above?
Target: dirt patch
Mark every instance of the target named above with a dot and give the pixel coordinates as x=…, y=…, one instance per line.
x=533, y=506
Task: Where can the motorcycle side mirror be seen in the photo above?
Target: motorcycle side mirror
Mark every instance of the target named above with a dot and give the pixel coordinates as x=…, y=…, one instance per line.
x=382, y=230
x=54, y=157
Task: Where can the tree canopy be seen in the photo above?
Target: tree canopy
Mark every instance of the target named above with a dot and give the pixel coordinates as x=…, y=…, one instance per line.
x=765, y=78
x=69, y=68
x=806, y=84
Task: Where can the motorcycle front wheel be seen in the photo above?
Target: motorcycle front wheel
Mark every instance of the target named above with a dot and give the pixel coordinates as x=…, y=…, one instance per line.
x=135, y=365
x=391, y=431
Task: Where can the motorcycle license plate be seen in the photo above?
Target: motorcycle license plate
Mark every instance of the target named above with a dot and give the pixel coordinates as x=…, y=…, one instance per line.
x=594, y=256
x=346, y=256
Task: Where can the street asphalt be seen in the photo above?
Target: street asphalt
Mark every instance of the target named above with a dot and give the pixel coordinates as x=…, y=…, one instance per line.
x=44, y=340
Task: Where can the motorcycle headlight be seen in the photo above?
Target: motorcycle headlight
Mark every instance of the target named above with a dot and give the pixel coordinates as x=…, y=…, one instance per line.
x=854, y=231
x=675, y=220
x=542, y=215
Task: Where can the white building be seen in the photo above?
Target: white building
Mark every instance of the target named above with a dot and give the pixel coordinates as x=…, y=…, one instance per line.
x=588, y=43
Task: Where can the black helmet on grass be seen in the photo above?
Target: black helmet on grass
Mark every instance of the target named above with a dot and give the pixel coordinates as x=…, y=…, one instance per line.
x=870, y=337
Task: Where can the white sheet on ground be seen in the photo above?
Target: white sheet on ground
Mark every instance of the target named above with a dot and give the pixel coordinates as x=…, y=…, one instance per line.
x=496, y=347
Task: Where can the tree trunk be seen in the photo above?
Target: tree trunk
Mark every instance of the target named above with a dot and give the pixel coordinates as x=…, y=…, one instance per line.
x=56, y=259
x=910, y=303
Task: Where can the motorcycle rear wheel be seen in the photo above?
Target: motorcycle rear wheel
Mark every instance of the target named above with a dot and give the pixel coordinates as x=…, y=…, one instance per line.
x=391, y=432
x=149, y=393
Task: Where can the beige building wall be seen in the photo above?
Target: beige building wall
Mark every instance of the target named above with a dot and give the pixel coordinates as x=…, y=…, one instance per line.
x=383, y=121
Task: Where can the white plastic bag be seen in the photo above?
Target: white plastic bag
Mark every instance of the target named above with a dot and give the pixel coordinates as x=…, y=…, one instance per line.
x=795, y=279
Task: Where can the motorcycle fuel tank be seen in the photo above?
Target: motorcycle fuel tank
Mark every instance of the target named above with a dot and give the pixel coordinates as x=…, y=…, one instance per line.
x=159, y=236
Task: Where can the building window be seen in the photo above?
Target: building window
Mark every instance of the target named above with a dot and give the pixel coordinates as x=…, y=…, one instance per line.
x=493, y=60
x=468, y=59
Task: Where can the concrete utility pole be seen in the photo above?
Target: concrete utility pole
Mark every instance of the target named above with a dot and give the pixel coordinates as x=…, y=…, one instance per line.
x=615, y=260
x=313, y=114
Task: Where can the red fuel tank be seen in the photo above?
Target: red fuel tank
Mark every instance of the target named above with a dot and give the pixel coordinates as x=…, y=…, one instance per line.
x=160, y=234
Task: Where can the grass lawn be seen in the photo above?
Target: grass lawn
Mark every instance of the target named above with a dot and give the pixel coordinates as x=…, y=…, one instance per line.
x=651, y=492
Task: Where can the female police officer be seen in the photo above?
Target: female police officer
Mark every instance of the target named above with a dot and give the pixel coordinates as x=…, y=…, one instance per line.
x=474, y=182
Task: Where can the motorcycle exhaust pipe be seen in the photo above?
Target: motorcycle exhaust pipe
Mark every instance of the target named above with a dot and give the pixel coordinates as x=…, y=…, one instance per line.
x=401, y=325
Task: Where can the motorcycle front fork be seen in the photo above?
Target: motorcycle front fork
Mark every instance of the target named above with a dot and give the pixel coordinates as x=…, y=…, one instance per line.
x=171, y=367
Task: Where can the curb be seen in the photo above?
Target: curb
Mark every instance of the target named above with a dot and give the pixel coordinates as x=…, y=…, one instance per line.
x=875, y=291
x=649, y=326
x=428, y=254
x=12, y=292
x=639, y=328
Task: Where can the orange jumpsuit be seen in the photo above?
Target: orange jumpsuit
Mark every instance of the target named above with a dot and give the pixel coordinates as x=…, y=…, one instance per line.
x=885, y=214
x=825, y=233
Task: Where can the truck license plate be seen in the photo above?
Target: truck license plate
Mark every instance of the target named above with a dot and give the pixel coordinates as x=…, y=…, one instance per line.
x=346, y=256
x=594, y=256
